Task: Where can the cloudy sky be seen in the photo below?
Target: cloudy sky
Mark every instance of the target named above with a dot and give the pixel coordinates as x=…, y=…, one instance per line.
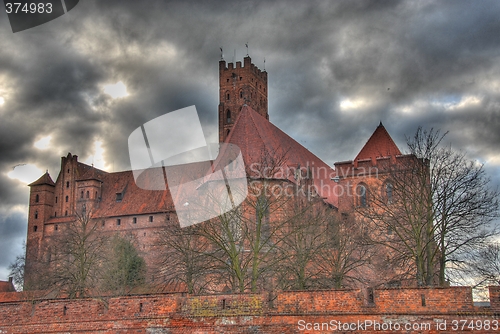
x=83, y=82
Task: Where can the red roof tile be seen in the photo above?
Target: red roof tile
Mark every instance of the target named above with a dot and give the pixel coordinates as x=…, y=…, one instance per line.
x=44, y=179
x=263, y=143
x=134, y=200
x=6, y=286
x=379, y=145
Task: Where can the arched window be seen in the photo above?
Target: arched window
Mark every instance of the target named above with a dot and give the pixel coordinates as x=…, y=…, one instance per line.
x=67, y=184
x=67, y=199
x=361, y=192
x=241, y=94
x=81, y=194
x=389, y=192
x=66, y=213
x=37, y=198
x=227, y=96
x=36, y=214
x=228, y=116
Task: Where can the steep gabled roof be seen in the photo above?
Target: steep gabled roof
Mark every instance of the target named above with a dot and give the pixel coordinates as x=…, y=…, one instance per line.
x=263, y=143
x=379, y=145
x=44, y=179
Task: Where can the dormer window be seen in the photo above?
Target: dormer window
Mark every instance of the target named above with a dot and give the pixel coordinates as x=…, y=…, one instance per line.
x=119, y=197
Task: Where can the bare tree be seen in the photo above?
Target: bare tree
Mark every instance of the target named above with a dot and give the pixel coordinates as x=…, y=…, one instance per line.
x=436, y=204
x=78, y=257
x=184, y=258
x=17, y=270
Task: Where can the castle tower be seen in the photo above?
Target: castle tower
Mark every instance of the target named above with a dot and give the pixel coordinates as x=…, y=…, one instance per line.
x=88, y=189
x=66, y=192
x=41, y=206
x=238, y=86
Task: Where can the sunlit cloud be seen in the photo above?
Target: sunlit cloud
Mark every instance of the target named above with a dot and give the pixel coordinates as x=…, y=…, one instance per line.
x=466, y=101
x=349, y=104
x=43, y=143
x=117, y=90
x=97, y=157
x=25, y=173
x=2, y=101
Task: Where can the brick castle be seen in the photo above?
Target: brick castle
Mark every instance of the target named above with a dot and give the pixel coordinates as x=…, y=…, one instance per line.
x=122, y=207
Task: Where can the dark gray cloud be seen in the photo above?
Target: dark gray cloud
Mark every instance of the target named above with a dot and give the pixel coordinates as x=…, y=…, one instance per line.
x=335, y=70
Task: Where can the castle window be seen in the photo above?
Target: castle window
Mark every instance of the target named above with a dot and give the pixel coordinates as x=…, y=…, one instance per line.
x=241, y=94
x=55, y=214
x=67, y=199
x=227, y=96
x=56, y=199
x=228, y=116
x=88, y=194
x=36, y=214
x=361, y=191
x=134, y=220
x=35, y=228
x=389, y=192
x=150, y=219
x=56, y=227
x=81, y=194
x=119, y=197
x=66, y=213
x=118, y=222
x=67, y=184
x=68, y=170
x=227, y=80
x=241, y=78
x=37, y=198
x=168, y=217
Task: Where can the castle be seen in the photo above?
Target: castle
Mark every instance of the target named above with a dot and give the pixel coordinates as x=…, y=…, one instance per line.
x=121, y=207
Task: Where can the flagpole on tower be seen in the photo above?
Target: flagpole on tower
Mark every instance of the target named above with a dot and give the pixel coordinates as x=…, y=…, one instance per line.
x=246, y=44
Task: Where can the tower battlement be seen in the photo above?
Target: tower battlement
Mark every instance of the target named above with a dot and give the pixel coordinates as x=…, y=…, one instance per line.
x=240, y=84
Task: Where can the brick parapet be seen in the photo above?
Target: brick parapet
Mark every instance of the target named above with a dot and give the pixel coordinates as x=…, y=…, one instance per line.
x=276, y=312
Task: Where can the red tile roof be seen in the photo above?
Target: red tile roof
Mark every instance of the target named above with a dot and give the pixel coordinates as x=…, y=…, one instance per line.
x=6, y=286
x=44, y=179
x=134, y=201
x=379, y=145
x=263, y=143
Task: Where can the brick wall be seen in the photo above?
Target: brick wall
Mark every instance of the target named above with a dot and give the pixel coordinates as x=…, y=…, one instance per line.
x=424, y=310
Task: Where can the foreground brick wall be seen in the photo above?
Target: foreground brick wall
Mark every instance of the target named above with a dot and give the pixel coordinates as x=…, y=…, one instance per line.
x=407, y=310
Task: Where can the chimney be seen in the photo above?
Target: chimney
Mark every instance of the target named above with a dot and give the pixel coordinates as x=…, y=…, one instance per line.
x=11, y=279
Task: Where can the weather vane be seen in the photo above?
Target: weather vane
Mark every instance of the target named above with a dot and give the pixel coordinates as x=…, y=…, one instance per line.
x=246, y=44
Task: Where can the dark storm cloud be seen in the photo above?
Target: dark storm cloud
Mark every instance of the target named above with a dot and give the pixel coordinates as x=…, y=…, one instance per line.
x=335, y=70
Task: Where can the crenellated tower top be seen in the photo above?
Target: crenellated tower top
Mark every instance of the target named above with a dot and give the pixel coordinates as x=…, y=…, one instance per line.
x=240, y=85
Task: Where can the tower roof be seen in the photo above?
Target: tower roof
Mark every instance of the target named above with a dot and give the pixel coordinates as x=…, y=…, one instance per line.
x=379, y=145
x=44, y=179
x=262, y=142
